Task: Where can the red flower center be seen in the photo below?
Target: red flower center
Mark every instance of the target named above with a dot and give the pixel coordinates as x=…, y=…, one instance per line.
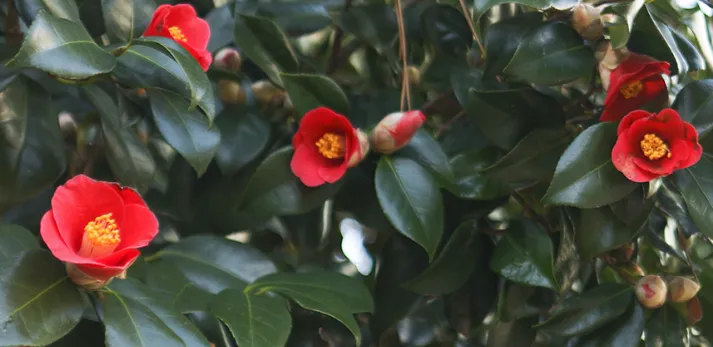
x=654, y=147
x=331, y=146
x=631, y=89
x=101, y=237
x=177, y=34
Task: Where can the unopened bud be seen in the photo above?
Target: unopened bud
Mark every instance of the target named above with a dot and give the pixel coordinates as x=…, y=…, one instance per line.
x=266, y=92
x=67, y=124
x=230, y=92
x=229, y=59
x=610, y=57
x=651, y=291
x=356, y=158
x=586, y=20
x=87, y=282
x=414, y=75
x=682, y=289
x=396, y=130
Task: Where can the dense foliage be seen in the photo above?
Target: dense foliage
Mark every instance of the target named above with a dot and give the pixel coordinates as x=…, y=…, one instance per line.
x=268, y=173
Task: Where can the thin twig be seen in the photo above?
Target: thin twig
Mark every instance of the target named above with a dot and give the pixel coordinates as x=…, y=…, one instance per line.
x=469, y=19
x=448, y=124
x=405, y=90
x=337, y=42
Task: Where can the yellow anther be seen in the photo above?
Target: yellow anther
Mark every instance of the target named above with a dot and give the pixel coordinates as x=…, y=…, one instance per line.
x=101, y=237
x=177, y=34
x=331, y=146
x=631, y=89
x=654, y=147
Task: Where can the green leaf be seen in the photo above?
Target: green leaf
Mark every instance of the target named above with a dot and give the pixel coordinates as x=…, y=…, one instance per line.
x=38, y=302
x=696, y=186
x=453, y=265
x=601, y=231
x=665, y=328
x=654, y=38
x=550, y=54
x=31, y=145
x=167, y=279
x=373, y=23
x=481, y=6
x=308, y=92
x=424, y=149
x=525, y=255
x=624, y=331
x=134, y=316
x=516, y=333
x=410, y=199
x=14, y=240
x=583, y=313
x=295, y=18
x=620, y=20
x=585, y=176
x=695, y=105
x=62, y=48
x=472, y=182
x=66, y=9
x=188, y=132
x=128, y=158
x=254, y=320
x=212, y=263
x=264, y=43
x=446, y=28
x=243, y=137
x=330, y=293
x=532, y=159
x=504, y=37
x=126, y=19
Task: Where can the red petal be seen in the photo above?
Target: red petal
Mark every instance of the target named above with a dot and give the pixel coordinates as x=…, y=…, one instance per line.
x=78, y=202
x=623, y=155
x=110, y=266
x=159, y=16
x=53, y=240
x=616, y=106
x=128, y=195
x=321, y=120
x=695, y=151
x=332, y=174
x=140, y=226
x=305, y=164
x=196, y=30
x=629, y=119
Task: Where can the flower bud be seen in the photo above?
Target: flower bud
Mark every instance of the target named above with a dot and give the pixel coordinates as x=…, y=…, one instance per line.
x=587, y=22
x=67, y=125
x=682, y=289
x=608, y=56
x=651, y=291
x=414, y=75
x=363, y=149
x=87, y=282
x=266, y=92
x=229, y=59
x=396, y=130
x=230, y=92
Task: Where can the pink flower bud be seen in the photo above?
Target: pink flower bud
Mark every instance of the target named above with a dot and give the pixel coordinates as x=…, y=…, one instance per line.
x=356, y=158
x=683, y=289
x=651, y=291
x=396, y=130
x=587, y=22
x=229, y=59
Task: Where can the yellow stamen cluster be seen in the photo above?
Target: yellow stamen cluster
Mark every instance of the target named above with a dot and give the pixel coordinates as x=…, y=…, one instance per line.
x=331, y=146
x=654, y=147
x=177, y=34
x=101, y=237
x=631, y=89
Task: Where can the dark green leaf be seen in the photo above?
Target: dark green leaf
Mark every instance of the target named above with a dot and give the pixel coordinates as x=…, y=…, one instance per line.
x=525, y=255
x=167, y=279
x=689, y=52
x=126, y=19
x=665, y=328
x=696, y=186
x=551, y=53
x=424, y=149
x=447, y=29
x=652, y=37
x=29, y=9
x=254, y=320
x=623, y=332
x=295, y=18
x=619, y=20
x=62, y=48
x=472, y=182
x=410, y=199
x=601, y=231
x=14, y=240
x=481, y=6
x=308, y=92
x=585, y=176
x=453, y=266
x=135, y=317
x=517, y=333
x=695, y=105
x=243, y=137
x=188, y=132
x=263, y=42
x=584, y=313
x=503, y=38
x=32, y=155
x=372, y=23
x=38, y=302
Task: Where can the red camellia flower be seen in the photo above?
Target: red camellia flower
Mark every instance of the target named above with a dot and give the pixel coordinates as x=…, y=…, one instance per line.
x=636, y=81
x=325, y=145
x=181, y=24
x=652, y=145
x=396, y=130
x=97, y=227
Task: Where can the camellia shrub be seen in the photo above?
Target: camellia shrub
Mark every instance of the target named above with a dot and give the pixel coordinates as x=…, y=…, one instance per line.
x=356, y=173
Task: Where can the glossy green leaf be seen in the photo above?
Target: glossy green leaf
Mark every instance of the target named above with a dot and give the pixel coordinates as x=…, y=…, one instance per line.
x=38, y=302
x=665, y=328
x=243, y=138
x=453, y=265
x=695, y=105
x=481, y=6
x=472, y=182
x=264, y=43
x=516, y=333
x=170, y=281
x=254, y=320
x=446, y=28
x=410, y=199
x=330, y=293
x=66, y=9
x=134, y=316
x=619, y=20
x=308, y=92
x=551, y=53
x=373, y=23
x=585, y=176
x=624, y=331
x=600, y=231
x=295, y=18
x=532, y=159
x=525, y=255
x=14, y=240
x=696, y=186
x=424, y=149
x=503, y=38
x=188, y=132
x=126, y=19
x=129, y=159
x=62, y=48
x=32, y=155
x=652, y=37
x=583, y=313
